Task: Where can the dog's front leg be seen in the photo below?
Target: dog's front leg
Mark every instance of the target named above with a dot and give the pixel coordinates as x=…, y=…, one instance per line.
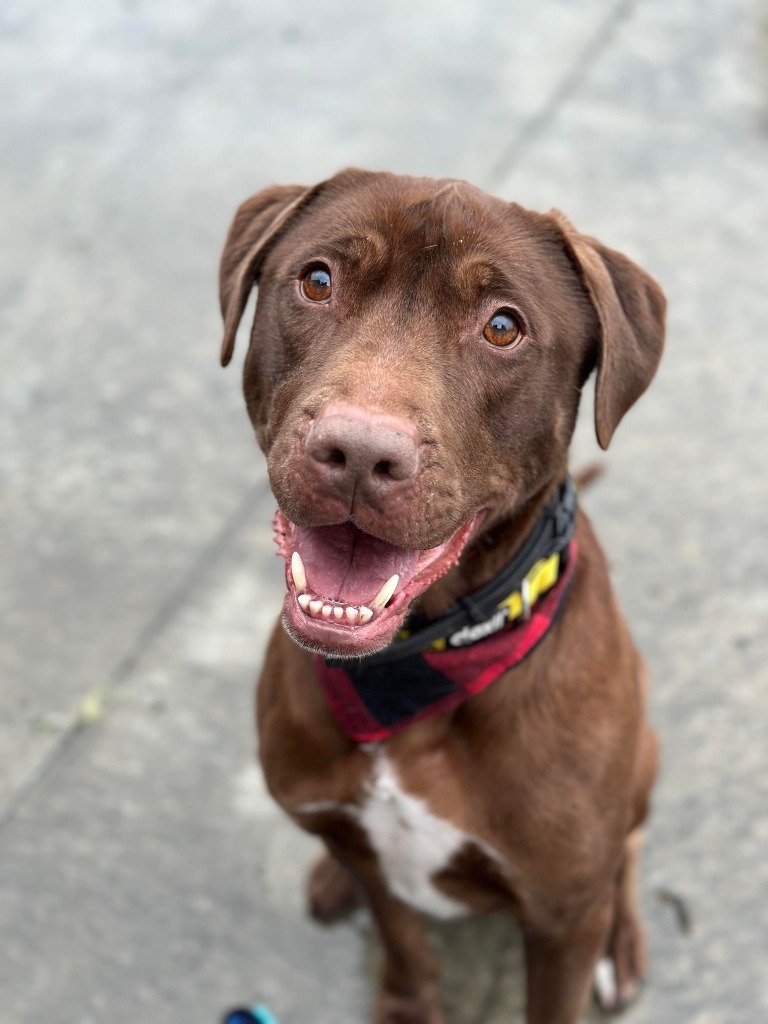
x=408, y=992
x=559, y=970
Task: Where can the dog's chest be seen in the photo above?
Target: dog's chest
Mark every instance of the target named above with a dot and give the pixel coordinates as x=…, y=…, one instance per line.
x=412, y=843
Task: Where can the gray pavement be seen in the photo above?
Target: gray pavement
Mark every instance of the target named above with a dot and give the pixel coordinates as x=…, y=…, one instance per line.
x=144, y=874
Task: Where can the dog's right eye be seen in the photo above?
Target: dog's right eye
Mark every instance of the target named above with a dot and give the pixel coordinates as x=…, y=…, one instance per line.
x=503, y=329
x=316, y=283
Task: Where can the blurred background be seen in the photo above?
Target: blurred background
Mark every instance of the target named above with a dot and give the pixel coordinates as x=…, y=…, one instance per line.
x=144, y=874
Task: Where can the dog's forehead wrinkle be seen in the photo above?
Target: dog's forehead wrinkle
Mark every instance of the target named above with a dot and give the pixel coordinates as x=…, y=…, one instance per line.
x=357, y=246
x=422, y=217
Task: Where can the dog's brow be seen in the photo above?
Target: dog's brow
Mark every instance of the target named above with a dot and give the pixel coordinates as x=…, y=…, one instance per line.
x=362, y=247
x=480, y=277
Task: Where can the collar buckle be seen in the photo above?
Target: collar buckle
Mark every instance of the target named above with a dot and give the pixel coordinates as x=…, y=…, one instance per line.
x=525, y=596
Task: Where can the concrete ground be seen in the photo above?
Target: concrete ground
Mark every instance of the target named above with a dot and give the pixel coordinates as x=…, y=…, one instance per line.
x=144, y=874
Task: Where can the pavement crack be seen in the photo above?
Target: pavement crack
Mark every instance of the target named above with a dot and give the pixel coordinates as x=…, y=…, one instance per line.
x=563, y=91
x=142, y=641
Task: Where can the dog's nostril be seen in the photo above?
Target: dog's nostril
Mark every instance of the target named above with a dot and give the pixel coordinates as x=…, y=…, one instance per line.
x=383, y=468
x=337, y=456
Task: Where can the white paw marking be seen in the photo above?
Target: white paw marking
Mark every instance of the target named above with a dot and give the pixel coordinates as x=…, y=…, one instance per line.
x=605, y=982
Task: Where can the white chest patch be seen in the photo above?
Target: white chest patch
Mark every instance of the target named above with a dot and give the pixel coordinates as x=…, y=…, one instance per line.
x=412, y=844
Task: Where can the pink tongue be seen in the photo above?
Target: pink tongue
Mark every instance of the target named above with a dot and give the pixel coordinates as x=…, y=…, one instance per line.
x=344, y=564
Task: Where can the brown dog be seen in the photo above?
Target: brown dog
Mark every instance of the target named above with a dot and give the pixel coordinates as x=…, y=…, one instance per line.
x=413, y=377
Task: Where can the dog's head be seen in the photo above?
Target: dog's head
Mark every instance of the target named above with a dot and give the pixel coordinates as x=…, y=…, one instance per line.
x=413, y=377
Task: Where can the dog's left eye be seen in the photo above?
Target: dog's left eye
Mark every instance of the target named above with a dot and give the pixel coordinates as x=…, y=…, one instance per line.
x=502, y=330
x=316, y=283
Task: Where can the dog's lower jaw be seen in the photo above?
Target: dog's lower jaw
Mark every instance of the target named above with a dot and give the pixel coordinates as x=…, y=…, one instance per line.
x=334, y=641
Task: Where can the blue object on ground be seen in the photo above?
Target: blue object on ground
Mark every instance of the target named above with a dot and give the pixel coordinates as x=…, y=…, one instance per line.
x=257, y=1014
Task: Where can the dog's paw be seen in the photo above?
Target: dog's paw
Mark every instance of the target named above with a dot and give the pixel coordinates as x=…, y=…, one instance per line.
x=394, y=1009
x=331, y=890
x=620, y=974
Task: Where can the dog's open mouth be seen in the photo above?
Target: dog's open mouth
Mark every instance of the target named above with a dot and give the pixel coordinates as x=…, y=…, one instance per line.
x=349, y=592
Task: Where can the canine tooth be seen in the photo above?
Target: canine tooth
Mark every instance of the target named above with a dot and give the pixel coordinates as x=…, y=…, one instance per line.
x=338, y=612
x=386, y=592
x=352, y=614
x=327, y=611
x=304, y=600
x=315, y=606
x=297, y=569
x=365, y=614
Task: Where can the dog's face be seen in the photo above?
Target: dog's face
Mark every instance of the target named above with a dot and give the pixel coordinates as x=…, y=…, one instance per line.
x=413, y=377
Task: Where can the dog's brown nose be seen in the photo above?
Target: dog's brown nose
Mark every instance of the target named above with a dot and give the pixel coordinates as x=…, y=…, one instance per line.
x=358, y=450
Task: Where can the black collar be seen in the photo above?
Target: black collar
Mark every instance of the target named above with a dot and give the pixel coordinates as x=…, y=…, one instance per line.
x=509, y=595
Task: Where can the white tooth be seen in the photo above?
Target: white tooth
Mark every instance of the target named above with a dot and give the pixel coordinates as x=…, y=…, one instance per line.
x=297, y=569
x=327, y=611
x=315, y=606
x=365, y=614
x=386, y=592
x=338, y=612
x=352, y=614
x=304, y=600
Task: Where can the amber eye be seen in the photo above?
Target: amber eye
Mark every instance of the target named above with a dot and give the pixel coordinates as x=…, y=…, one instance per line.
x=502, y=329
x=316, y=283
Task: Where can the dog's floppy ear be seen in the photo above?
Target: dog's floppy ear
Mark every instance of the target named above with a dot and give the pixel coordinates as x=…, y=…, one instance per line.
x=630, y=308
x=257, y=221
